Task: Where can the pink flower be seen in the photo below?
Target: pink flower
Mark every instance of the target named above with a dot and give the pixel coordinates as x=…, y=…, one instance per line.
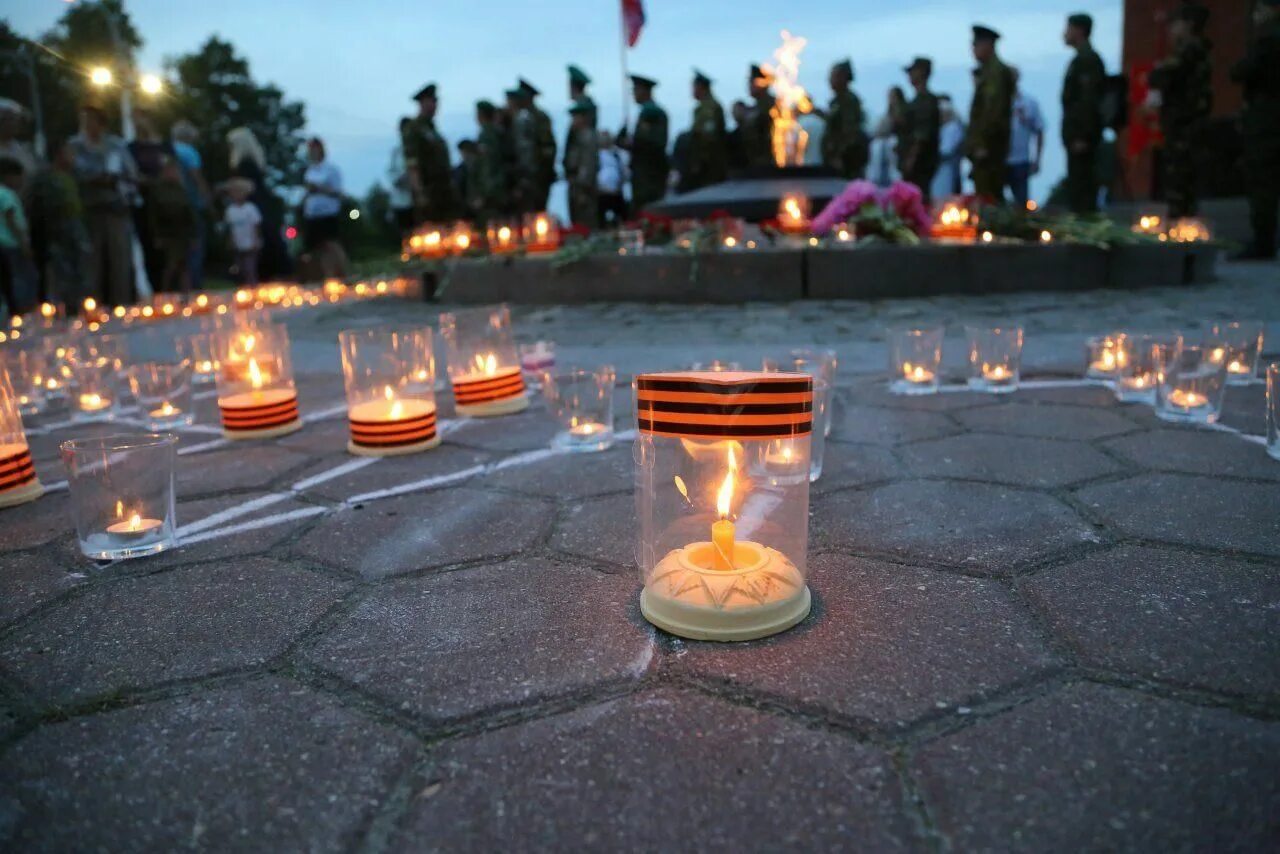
x=853, y=198
x=905, y=200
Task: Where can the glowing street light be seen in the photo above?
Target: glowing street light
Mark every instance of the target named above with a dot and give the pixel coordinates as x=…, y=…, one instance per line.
x=355, y=213
x=151, y=84
x=100, y=76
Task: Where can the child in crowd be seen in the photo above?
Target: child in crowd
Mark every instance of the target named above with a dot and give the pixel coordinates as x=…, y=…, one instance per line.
x=244, y=226
x=173, y=225
x=55, y=204
x=16, y=283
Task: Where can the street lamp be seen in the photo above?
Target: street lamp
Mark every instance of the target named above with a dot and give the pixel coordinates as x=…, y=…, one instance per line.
x=100, y=76
x=151, y=84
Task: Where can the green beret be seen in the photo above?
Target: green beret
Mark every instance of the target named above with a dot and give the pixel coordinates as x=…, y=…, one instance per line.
x=984, y=34
x=578, y=77
x=643, y=82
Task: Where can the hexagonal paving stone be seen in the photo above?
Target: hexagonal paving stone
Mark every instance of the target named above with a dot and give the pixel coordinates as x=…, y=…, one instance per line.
x=1077, y=395
x=1189, y=509
x=31, y=579
x=1045, y=421
x=527, y=431
x=429, y=529
x=450, y=645
x=35, y=523
x=886, y=644
x=877, y=394
x=571, y=475
x=1203, y=621
x=1197, y=451
x=252, y=467
x=845, y=464
x=1091, y=768
x=973, y=526
x=139, y=631
x=245, y=766
x=602, y=529
x=661, y=771
x=1014, y=460
x=876, y=426
x=441, y=461
x=238, y=542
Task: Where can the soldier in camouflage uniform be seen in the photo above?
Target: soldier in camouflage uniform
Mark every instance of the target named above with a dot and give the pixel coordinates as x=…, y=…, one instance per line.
x=1082, y=90
x=488, y=183
x=648, y=146
x=990, y=116
x=527, y=165
x=582, y=165
x=845, y=146
x=921, y=124
x=708, y=147
x=545, y=148
x=1183, y=85
x=578, y=83
x=1259, y=74
x=757, y=132
x=427, y=162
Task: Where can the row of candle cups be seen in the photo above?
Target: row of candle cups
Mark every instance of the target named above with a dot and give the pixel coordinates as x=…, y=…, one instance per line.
x=915, y=359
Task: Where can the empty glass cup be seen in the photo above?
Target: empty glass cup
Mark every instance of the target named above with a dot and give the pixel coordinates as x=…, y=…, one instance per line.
x=122, y=496
x=581, y=402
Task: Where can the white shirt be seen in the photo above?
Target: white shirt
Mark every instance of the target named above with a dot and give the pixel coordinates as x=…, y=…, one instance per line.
x=323, y=174
x=400, y=196
x=243, y=218
x=1027, y=122
x=612, y=172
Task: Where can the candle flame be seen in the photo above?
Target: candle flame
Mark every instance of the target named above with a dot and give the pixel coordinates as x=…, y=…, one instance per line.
x=540, y=226
x=792, y=207
x=135, y=522
x=166, y=408
x=487, y=364
x=255, y=375
x=724, y=496
x=119, y=509
x=504, y=233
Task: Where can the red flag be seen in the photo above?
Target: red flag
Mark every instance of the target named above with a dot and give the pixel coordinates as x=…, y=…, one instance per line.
x=633, y=20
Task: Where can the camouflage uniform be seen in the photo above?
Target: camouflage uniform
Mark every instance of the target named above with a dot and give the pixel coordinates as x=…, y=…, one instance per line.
x=649, y=165
x=708, y=149
x=845, y=146
x=528, y=168
x=1185, y=101
x=581, y=166
x=757, y=136
x=426, y=151
x=990, y=119
x=918, y=141
x=489, y=183
x=1082, y=90
x=1259, y=74
x=545, y=141
x=570, y=139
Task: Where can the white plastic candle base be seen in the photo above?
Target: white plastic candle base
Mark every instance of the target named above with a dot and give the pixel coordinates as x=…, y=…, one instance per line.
x=21, y=494
x=160, y=424
x=587, y=443
x=116, y=547
x=907, y=387
x=1130, y=394
x=764, y=596
x=265, y=433
x=398, y=451
x=990, y=386
x=497, y=407
x=1205, y=414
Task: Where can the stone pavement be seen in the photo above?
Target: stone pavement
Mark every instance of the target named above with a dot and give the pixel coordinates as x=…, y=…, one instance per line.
x=1043, y=621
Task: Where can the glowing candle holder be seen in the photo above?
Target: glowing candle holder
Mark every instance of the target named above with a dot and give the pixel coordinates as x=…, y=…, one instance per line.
x=484, y=368
x=1239, y=346
x=820, y=407
x=995, y=358
x=163, y=393
x=1104, y=355
x=1190, y=383
x=844, y=235
x=256, y=395
x=26, y=369
x=541, y=232
x=18, y=483
x=390, y=378
x=1148, y=224
x=824, y=361
x=122, y=497
x=729, y=233
x=1136, y=371
x=95, y=385
x=1273, y=410
x=462, y=238
x=199, y=349
x=48, y=315
x=1189, y=230
x=955, y=220
x=722, y=543
x=581, y=402
x=58, y=352
x=793, y=214
x=502, y=236
x=428, y=241
x=915, y=358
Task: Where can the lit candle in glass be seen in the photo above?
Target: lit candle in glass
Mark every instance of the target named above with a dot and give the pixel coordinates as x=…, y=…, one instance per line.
x=484, y=366
x=502, y=237
x=541, y=233
x=793, y=214
x=133, y=526
x=389, y=376
x=18, y=483
x=256, y=393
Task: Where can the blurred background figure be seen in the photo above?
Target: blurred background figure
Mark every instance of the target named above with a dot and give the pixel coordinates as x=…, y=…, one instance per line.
x=185, y=138
x=1026, y=143
x=248, y=160
x=884, y=143
x=106, y=174
x=951, y=133
x=321, y=213
x=611, y=181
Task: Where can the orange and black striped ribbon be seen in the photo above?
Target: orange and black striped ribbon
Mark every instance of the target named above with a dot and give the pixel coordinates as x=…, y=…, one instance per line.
x=725, y=405
x=262, y=417
x=16, y=470
x=393, y=434
x=509, y=383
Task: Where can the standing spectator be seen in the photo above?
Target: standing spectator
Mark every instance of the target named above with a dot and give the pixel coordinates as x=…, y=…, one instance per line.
x=1027, y=126
x=12, y=117
x=149, y=150
x=244, y=226
x=173, y=225
x=321, y=209
x=610, y=179
x=401, y=193
x=249, y=161
x=16, y=281
x=56, y=208
x=185, y=136
x=106, y=174
x=946, y=181
x=737, y=144
x=884, y=145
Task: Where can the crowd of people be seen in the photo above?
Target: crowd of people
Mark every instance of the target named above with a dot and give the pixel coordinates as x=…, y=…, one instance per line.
x=511, y=164
x=105, y=218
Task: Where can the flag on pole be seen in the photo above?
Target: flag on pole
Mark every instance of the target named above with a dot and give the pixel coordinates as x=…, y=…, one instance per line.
x=632, y=20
